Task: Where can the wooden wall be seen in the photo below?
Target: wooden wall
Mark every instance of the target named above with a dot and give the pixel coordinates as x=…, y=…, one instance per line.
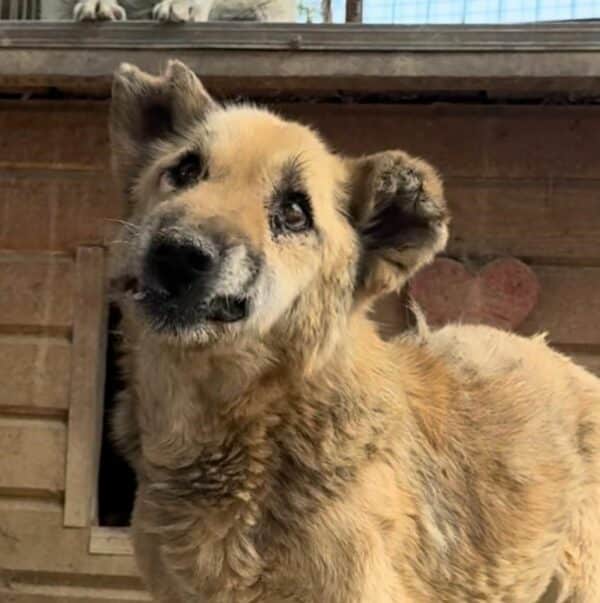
x=521, y=180
x=55, y=194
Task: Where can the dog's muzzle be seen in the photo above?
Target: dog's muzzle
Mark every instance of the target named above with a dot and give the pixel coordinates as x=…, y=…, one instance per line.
x=182, y=282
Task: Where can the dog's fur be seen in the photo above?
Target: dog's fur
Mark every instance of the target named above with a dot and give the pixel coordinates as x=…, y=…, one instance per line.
x=292, y=456
x=180, y=10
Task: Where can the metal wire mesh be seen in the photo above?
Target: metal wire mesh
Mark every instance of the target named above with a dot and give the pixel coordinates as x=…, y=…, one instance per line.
x=458, y=11
x=391, y=11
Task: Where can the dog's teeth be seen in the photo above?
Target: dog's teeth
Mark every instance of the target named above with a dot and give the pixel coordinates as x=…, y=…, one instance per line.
x=139, y=296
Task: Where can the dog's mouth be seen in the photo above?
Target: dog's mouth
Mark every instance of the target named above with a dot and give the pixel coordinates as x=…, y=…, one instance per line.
x=226, y=308
x=217, y=309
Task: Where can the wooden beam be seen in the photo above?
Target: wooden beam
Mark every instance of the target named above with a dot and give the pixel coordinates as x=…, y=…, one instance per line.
x=87, y=388
x=353, y=11
x=326, y=10
x=325, y=58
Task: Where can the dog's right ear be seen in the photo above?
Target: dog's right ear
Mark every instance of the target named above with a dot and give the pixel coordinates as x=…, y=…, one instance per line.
x=146, y=109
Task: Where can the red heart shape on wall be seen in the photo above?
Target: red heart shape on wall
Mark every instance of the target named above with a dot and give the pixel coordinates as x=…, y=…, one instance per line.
x=502, y=294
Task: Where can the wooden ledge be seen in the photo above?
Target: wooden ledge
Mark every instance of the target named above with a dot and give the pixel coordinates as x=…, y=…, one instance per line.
x=110, y=541
x=326, y=59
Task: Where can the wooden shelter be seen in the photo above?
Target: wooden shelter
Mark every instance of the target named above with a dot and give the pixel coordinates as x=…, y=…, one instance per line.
x=509, y=115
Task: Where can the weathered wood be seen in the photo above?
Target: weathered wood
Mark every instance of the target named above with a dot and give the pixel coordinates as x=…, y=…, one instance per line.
x=569, y=305
x=33, y=538
x=63, y=135
x=467, y=141
x=539, y=58
x=110, y=541
x=55, y=211
x=547, y=218
x=61, y=594
x=353, y=11
x=36, y=290
x=35, y=373
x=87, y=385
x=569, y=301
x=326, y=11
x=32, y=454
x=589, y=361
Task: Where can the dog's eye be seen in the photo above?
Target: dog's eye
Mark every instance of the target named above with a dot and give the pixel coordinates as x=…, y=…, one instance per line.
x=293, y=214
x=188, y=170
x=294, y=217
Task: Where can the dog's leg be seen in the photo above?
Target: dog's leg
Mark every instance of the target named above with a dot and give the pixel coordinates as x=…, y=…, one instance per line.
x=156, y=577
x=98, y=10
x=179, y=11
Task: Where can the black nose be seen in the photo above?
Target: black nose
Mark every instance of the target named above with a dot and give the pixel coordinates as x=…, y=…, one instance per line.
x=173, y=268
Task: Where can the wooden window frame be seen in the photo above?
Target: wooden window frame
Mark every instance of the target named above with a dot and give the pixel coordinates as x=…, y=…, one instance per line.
x=84, y=430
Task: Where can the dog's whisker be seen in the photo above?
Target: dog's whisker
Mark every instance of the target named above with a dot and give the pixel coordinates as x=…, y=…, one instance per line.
x=125, y=223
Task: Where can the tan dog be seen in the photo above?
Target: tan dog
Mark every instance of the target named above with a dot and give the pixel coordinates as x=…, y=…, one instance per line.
x=284, y=452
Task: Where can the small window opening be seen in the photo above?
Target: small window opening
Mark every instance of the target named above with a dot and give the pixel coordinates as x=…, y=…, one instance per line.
x=116, y=483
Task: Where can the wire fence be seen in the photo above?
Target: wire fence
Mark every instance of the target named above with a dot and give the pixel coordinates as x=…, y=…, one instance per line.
x=413, y=12
x=405, y=12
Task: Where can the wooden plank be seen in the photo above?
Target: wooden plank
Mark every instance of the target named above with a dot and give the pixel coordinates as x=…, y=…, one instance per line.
x=51, y=212
x=548, y=218
x=35, y=589
x=62, y=594
x=45, y=133
x=36, y=290
x=110, y=541
x=35, y=373
x=32, y=454
x=569, y=305
x=273, y=57
x=589, y=361
x=503, y=140
x=87, y=387
x=33, y=538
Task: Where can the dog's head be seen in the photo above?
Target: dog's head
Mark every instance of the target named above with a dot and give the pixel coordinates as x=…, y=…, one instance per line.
x=244, y=224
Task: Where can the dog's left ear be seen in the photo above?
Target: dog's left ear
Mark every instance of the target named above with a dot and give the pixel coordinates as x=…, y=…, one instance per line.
x=146, y=109
x=397, y=206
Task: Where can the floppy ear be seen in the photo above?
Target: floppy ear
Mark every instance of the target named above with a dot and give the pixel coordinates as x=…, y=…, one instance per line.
x=146, y=109
x=398, y=208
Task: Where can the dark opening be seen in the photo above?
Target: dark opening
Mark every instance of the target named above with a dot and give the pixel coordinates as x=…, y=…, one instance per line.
x=117, y=483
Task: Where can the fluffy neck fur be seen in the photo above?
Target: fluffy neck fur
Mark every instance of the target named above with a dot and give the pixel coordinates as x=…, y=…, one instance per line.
x=247, y=440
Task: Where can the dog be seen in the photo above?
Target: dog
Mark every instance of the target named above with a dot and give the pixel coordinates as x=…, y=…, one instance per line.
x=286, y=453
x=181, y=10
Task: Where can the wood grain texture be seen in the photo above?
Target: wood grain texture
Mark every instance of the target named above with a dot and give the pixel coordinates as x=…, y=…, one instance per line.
x=87, y=387
x=35, y=373
x=61, y=594
x=589, y=361
x=110, y=541
x=36, y=290
x=568, y=306
x=33, y=538
x=547, y=218
x=63, y=135
x=53, y=212
x=470, y=141
x=32, y=454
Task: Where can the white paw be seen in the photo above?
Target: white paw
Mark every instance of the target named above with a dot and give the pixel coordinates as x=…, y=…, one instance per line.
x=180, y=11
x=98, y=10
